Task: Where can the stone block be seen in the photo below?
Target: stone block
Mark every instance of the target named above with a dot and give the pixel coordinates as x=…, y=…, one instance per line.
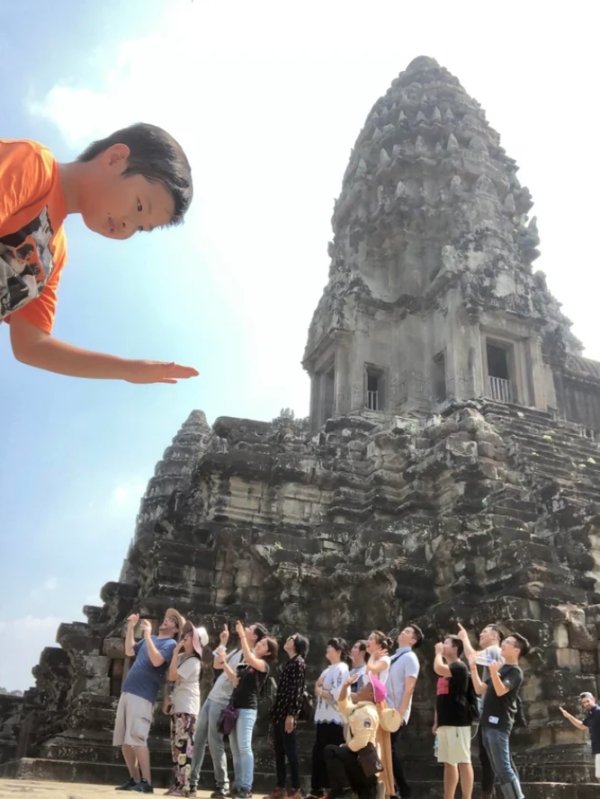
x=561, y=635
x=568, y=659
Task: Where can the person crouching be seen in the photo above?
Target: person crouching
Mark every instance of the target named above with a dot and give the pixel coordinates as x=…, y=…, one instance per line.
x=353, y=767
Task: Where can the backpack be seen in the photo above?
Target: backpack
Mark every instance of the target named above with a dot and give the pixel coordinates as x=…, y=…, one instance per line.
x=472, y=701
x=307, y=710
x=520, y=717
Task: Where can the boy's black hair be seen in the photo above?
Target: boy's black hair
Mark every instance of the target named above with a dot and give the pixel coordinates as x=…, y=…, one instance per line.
x=521, y=643
x=456, y=643
x=155, y=155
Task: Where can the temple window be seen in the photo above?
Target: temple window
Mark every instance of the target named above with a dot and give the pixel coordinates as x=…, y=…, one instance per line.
x=500, y=371
x=374, y=389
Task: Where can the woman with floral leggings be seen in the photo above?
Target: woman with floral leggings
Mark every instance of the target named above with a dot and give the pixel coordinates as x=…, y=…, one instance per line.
x=184, y=703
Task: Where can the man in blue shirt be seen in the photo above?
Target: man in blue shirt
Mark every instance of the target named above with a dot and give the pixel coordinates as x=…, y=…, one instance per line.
x=139, y=691
x=591, y=721
x=404, y=670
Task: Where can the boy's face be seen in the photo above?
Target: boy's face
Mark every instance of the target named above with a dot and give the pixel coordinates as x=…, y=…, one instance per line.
x=116, y=206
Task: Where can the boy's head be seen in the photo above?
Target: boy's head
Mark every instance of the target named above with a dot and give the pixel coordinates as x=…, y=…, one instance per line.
x=138, y=178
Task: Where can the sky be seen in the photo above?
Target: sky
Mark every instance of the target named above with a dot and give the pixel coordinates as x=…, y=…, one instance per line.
x=267, y=99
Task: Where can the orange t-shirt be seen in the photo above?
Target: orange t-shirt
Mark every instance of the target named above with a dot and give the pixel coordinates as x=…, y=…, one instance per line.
x=33, y=247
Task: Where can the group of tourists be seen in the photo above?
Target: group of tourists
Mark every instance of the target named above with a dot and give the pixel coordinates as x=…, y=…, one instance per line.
x=362, y=704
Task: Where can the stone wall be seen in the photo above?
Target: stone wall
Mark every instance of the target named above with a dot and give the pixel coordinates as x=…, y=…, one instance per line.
x=486, y=512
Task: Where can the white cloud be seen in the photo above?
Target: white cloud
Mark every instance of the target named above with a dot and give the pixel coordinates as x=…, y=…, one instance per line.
x=22, y=640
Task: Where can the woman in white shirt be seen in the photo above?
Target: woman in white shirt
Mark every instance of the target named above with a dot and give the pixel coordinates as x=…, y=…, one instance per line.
x=329, y=722
x=378, y=646
x=184, y=703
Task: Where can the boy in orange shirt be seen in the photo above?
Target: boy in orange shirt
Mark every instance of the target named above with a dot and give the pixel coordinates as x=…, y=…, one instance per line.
x=136, y=179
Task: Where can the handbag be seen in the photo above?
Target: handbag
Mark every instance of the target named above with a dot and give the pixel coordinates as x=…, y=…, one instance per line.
x=369, y=761
x=307, y=712
x=390, y=719
x=227, y=719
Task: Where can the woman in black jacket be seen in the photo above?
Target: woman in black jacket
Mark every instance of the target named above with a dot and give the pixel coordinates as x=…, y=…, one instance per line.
x=284, y=715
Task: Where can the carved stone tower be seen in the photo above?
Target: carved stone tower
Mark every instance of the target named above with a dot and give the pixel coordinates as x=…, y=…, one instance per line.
x=431, y=295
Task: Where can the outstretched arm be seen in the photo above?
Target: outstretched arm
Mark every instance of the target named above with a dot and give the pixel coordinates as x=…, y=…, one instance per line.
x=575, y=722
x=36, y=348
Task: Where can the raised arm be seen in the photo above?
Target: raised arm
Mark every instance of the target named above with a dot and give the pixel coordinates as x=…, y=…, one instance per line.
x=377, y=666
x=172, y=673
x=468, y=648
x=440, y=668
x=479, y=686
x=221, y=649
x=229, y=672
x=575, y=722
x=129, y=636
x=249, y=656
x=35, y=347
x=496, y=680
x=156, y=658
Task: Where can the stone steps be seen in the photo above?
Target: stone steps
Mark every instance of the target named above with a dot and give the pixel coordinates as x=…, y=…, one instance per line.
x=114, y=774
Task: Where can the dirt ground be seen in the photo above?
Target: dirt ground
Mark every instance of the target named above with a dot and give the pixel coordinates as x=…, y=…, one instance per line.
x=42, y=789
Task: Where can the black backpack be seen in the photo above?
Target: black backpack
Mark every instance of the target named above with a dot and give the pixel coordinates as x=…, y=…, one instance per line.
x=472, y=701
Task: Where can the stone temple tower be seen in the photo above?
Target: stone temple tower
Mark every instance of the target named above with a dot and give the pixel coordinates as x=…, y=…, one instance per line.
x=431, y=295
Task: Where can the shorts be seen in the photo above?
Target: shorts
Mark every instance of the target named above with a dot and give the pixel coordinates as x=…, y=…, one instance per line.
x=132, y=724
x=454, y=745
x=597, y=766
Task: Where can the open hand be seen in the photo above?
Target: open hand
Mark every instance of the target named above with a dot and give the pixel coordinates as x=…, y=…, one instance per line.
x=157, y=372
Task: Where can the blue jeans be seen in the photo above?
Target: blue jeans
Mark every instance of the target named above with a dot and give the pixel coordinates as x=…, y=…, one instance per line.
x=497, y=746
x=240, y=741
x=207, y=732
